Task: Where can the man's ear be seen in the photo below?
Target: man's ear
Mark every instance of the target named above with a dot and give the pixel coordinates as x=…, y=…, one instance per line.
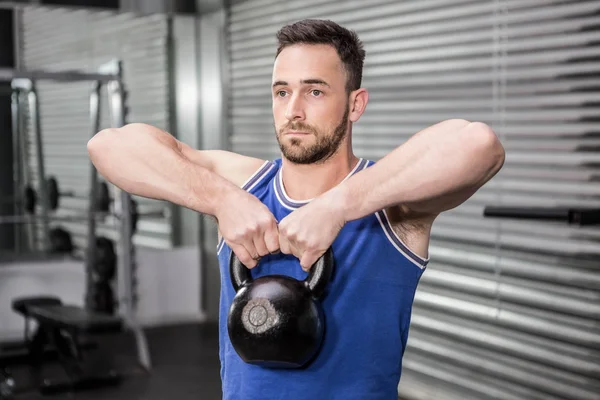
x=358, y=103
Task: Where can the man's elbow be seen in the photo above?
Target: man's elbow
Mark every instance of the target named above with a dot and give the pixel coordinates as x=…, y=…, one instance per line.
x=486, y=144
x=99, y=143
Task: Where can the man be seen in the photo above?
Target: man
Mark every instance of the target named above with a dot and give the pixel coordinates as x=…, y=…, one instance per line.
x=280, y=216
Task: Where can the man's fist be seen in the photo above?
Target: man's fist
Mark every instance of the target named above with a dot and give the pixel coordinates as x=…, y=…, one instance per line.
x=310, y=230
x=247, y=226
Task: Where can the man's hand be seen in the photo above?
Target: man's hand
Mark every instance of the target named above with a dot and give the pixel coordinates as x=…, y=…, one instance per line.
x=247, y=226
x=309, y=231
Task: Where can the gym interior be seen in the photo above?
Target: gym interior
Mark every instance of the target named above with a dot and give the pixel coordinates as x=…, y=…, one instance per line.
x=108, y=295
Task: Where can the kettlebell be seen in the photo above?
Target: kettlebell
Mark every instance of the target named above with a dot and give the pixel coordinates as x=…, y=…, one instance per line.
x=277, y=321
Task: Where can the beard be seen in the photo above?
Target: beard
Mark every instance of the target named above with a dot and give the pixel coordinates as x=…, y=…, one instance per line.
x=325, y=146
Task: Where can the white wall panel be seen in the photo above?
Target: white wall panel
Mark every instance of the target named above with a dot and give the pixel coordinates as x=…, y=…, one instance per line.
x=507, y=309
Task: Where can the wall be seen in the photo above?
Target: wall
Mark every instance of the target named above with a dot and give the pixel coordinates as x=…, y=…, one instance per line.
x=507, y=308
x=167, y=287
x=212, y=44
x=198, y=54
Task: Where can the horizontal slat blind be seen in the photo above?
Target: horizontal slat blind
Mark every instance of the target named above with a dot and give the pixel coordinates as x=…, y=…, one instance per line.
x=507, y=309
x=58, y=39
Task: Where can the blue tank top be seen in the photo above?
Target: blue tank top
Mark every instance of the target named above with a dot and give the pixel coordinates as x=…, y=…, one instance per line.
x=367, y=309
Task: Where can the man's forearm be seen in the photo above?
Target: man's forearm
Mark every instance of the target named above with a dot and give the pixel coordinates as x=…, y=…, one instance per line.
x=435, y=170
x=147, y=162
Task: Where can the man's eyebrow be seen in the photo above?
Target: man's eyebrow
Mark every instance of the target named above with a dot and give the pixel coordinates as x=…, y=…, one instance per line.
x=313, y=81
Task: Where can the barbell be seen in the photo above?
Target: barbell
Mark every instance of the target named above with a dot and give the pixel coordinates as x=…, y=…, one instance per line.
x=28, y=198
x=54, y=194
x=135, y=216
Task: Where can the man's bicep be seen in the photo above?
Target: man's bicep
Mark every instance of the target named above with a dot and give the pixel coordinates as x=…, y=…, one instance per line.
x=234, y=167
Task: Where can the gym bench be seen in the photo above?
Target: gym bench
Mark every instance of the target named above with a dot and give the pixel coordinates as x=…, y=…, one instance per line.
x=61, y=327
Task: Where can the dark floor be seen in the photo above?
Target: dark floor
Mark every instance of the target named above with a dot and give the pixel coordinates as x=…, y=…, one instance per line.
x=185, y=366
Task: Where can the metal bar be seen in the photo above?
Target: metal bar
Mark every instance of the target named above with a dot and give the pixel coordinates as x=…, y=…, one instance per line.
x=7, y=75
x=25, y=175
x=123, y=209
x=577, y=216
x=17, y=37
x=17, y=184
x=90, y=260
x=34, y=111
x=31, y=219
x=20, y=5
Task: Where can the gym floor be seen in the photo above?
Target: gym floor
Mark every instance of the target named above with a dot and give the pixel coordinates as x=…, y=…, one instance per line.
x=185, y=366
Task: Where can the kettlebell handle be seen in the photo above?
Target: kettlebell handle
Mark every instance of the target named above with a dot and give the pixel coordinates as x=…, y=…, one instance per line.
x=316, y=281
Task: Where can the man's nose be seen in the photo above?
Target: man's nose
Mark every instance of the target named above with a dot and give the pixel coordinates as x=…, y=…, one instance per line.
x=295, y=109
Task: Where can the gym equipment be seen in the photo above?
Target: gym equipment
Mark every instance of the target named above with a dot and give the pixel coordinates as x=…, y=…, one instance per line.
x=135, y=216
x=105, y=267
x=54, y=194
x=25, y=237
x=20, y=352
x=7, y=385
x=571, y=215
x=61, y=327
x=28, y=199
x=21, y=306
x=122, y=207
x=60, y=241
x=26, y=88
x=111, y=74
x=277, y=321
x=101, y=298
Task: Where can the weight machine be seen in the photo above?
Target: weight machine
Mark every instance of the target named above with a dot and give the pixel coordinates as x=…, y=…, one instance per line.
x=50, y=315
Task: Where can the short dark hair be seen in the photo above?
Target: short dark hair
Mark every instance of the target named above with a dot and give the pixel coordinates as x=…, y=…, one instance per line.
x=346, y=43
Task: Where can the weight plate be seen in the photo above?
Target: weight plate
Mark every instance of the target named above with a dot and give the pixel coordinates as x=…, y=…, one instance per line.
x=134, y=216
x=29, y=199
x=105, y=267
x=103, y=197
x=52, y=193
x=60, y=241
x=101, y=298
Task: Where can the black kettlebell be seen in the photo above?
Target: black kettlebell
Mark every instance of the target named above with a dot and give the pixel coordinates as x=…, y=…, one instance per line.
x=277, y=321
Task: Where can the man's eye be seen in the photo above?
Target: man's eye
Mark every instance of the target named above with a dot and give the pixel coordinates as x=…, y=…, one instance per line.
x=316, y=92
x=281, y=93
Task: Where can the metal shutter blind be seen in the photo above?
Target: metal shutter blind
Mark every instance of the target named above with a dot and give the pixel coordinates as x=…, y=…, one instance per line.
x=58, y=39
x=506, y=309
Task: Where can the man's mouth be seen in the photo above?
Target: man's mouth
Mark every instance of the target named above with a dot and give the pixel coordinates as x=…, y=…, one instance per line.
x=297, y=133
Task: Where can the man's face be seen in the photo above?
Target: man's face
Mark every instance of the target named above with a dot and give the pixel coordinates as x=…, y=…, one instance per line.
x=310, y=103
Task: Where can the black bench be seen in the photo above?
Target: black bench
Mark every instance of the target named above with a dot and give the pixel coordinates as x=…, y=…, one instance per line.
x=16, y=352
x=60, y=327
x=22, y=304
x=75, y=319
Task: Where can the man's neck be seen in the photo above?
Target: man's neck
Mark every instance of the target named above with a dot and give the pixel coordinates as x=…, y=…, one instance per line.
x=305, y=182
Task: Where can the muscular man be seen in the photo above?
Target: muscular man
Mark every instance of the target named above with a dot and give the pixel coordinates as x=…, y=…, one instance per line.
x=280, y=216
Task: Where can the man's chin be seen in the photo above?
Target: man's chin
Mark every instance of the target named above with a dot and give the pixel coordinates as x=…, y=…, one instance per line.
x=296, y=155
